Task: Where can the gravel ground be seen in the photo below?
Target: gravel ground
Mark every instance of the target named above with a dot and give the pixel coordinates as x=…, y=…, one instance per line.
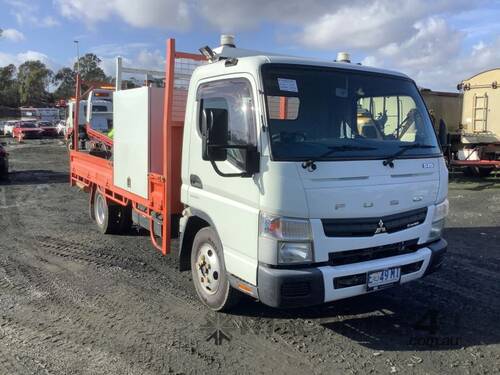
x=73, y=301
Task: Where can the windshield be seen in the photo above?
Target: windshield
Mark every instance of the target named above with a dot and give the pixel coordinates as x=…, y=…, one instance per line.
x=28, y=125
x=102, y=123
x=327, y=114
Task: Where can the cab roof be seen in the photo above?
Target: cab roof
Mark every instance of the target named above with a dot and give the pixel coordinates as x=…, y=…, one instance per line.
x=258, y=58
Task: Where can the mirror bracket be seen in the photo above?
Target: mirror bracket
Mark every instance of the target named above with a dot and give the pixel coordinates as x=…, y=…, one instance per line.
x=251, y=155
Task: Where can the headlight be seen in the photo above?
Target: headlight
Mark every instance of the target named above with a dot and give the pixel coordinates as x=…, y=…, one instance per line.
x=291, y=238
x=436, y=230
x=283, y=228
x=294, y=252
x=440, y=213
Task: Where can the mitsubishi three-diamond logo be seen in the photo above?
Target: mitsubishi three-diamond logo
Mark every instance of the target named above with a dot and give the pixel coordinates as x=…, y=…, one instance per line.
x=380, y=227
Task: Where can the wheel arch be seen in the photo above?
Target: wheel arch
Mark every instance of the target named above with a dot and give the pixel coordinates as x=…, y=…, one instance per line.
x=92, y=190
x=196, y=220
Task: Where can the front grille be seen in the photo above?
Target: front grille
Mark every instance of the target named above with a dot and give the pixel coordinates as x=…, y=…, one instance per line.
x=362, y=255
x=411, y=268
x=367, y=227
x=348, y=281
x=360, y=278
x=296, y=289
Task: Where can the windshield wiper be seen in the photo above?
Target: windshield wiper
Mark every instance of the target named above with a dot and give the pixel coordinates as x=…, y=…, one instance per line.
x=390, y=160
x=311, y=166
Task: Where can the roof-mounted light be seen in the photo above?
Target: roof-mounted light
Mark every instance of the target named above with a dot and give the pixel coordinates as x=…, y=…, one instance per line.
x=343, y=57
x=208, y=53
x=227, y=40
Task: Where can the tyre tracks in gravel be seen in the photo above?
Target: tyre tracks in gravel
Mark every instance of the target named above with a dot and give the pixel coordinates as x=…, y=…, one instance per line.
x=102, y=261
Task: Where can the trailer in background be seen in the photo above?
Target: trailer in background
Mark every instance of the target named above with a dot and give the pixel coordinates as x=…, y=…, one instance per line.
x=476, y=143
x=446, y=106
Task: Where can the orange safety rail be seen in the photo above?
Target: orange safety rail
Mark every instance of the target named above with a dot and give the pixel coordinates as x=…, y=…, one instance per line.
x=96, y=135
x=89, y=171
x=178, y=69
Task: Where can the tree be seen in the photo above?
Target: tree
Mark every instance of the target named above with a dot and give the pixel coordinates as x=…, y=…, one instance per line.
x=9, y=88
x=34, y=78
x=65, y=80
x=90, y=70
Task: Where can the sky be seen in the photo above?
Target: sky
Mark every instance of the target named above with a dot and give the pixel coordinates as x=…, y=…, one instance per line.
x=438, y=43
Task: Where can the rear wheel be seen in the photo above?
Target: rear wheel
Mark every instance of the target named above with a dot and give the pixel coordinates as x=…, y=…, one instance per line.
x=485, y=172
x=106, y=215
x=209, y=272
x=125, y=219
x=478, y=171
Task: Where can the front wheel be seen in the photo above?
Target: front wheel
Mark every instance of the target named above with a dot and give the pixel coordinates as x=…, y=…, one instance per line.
x=209, y=272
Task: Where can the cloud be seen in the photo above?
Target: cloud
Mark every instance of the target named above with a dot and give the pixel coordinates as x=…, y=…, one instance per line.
x=13, y=35
x=237, y=15
x=144, y=59
x=434, y=55
x=134, y=55
x=49, y=21
x=19, y=58
x=171, y=14
x=28, y=12
x=430, y=40
x=114, y=49
x=432, y=44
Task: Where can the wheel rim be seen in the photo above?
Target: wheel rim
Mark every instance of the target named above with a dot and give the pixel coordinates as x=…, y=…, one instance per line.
x=100, y=209
x=208, y=269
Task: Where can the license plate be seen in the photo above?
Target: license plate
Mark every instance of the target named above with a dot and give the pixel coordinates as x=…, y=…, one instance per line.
x=383, y=278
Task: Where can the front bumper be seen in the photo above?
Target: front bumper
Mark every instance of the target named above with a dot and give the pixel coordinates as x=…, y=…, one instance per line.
x=278, y=287
x=34, y=135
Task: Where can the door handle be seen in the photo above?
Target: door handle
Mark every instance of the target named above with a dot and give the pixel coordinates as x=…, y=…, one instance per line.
x=195, y=181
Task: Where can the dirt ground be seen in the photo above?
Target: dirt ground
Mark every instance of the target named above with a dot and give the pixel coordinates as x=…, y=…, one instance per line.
x=73, y=301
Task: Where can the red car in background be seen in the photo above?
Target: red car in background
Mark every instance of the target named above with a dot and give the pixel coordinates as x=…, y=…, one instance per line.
x=26, y=130
x=49, y=129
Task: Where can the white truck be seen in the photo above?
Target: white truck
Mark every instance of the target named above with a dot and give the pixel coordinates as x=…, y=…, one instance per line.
x=299, y=181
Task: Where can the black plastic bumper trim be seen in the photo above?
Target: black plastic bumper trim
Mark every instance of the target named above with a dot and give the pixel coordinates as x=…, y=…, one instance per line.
x=438, y=249
x=290, y=287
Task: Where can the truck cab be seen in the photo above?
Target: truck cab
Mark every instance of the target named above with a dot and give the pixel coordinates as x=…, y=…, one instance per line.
x=295, y=181
x=99, y=110
x=307, y=181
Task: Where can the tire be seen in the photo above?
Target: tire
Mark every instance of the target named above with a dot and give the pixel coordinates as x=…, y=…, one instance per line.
x=478, y=171
x=69, y=144
x=209, y=272
x=485, y=172
x=106, y=215
x=125, y=219
x=91, y=203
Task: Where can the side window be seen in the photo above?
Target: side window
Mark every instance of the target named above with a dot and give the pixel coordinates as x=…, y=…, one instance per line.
x=235, y=96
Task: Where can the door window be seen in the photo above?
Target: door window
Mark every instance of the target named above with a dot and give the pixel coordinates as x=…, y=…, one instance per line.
x=235, y=96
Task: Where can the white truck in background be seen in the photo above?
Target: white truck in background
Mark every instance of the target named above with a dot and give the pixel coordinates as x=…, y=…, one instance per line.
x=297, y=181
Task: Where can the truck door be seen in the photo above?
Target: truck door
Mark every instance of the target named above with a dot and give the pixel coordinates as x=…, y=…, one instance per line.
x=231, y=203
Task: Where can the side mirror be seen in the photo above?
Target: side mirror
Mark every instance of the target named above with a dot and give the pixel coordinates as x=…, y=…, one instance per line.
x=215, y=143
x=214, y=132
